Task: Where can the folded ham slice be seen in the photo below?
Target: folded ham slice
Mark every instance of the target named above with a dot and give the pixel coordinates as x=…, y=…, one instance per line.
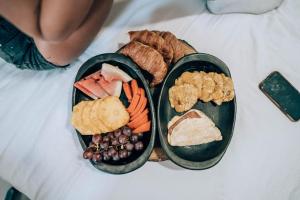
x=91, y=88
x=192, y=128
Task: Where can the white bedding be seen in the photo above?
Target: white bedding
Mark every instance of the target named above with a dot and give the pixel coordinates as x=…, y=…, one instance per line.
x=41, y=156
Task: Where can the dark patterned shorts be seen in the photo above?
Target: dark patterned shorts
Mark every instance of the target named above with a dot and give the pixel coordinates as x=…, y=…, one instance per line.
x=20, y=50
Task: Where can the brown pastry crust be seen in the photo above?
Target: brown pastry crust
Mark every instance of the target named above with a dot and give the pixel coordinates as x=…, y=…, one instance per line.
x=180, y=49
x=155, y=41
x=148, y=59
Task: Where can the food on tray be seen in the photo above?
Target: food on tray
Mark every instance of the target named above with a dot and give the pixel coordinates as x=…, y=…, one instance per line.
x=148, y=59
x=155, y=41
x=99, y=116
x=91, y=88
x=210, y=87
x=192, y=128
x=138, y=111
x=153, y=51
x=102, y=83
x=117, y=145
x=112, y=88
x=110, y=73
x=183, y=97
x=180, y=48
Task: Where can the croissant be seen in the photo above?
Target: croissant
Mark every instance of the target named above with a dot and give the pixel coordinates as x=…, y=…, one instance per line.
x=180, y=49
x=148, y=59
x=155, y=41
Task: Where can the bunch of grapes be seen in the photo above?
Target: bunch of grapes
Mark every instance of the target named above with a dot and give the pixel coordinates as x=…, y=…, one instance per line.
x=113, y=145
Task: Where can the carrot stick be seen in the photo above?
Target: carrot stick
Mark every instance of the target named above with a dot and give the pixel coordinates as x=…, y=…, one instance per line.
x=142, y=128
x=145, y=112
x=142, y=92
x=139, y=121
x=127, y=90
x=134, y=102
x=134, y=86
x=141, y=109
x=140, y=104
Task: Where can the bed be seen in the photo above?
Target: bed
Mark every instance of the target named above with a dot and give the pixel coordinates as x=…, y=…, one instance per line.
x=40, y=153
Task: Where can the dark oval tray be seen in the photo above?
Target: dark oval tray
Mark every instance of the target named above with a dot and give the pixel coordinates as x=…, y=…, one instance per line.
x=126, y=64
x=205, y=155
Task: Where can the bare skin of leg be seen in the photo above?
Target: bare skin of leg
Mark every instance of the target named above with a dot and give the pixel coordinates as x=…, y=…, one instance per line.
x=64, y=52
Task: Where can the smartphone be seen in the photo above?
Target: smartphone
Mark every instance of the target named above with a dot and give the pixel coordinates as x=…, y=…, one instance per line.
x=283, y=94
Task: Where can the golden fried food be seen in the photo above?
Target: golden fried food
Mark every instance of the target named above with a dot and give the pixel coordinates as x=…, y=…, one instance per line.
x=194, y=78
x=77, y=120
x=183, y=97
x=95, y=119
x=99, y=116
x=112, y=112
x=86, y=120
x=210, y=86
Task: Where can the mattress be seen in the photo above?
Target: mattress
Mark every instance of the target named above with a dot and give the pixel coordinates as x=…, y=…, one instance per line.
x=40, y=153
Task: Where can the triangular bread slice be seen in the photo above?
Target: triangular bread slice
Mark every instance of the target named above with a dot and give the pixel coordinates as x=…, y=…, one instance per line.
x=192, y=128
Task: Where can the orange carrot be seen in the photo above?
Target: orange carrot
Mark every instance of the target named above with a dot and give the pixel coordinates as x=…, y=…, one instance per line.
x=134, y=102
x=138, y=121
x=127, y=90
x=140, y=104
x=140, y=110
x=142, y=128
x=145, y=112
x=142, y=92
x=134, y=86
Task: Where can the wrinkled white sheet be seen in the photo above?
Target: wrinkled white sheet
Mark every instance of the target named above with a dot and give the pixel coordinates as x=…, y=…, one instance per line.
x=41, y=156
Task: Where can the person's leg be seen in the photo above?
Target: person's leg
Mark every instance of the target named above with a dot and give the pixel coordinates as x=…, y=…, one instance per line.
x=63, y=53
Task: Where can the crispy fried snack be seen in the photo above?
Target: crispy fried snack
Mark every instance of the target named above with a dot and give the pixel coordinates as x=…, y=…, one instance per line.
x=183, y=97
x=148, y=59
x=155, y=41
x=99, y=116
x=210, y=86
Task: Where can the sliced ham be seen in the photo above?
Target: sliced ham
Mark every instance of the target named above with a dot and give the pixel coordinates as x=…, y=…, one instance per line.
x=96, y=75
x=84, y=90
x=91, y=88
x=110, y=73
x=113, y=88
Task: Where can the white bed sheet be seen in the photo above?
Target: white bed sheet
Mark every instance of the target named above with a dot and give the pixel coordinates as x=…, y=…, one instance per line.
x=40, y=153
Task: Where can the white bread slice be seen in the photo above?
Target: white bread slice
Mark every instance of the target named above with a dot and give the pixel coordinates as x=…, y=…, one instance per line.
x=192, y=128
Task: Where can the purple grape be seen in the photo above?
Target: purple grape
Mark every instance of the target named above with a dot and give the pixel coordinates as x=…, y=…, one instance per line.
x=105, y=139
x=129, y=146
x=138, y=146
x=105, y=155
x=97, y=157
x=123, y=154
x=134, y=138
x=111, y=152
x=110, y=135
x=116, y=157
x=97, y=138
x=126, y=131
x=114, y=142
x=104, y=145
x=123, y=139
x=88, y=153
x=92, y=145
x=117, y=132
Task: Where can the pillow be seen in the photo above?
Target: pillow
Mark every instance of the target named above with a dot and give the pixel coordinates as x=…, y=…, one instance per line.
x=242, y=6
